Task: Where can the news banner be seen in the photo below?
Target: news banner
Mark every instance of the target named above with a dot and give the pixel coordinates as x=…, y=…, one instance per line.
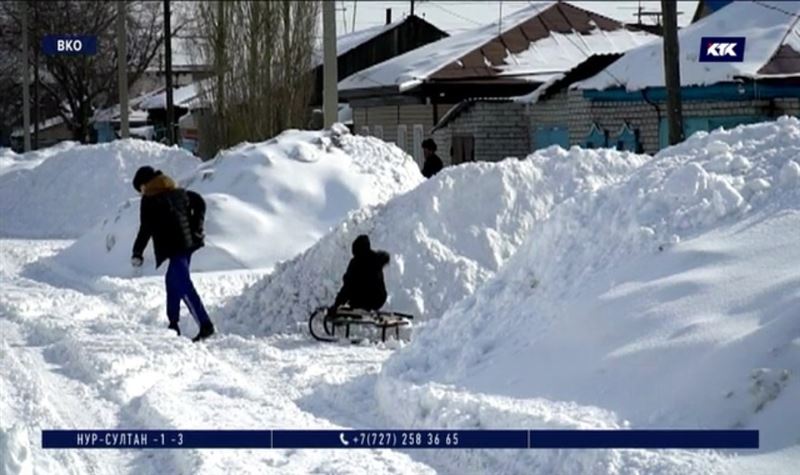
x=400, y=439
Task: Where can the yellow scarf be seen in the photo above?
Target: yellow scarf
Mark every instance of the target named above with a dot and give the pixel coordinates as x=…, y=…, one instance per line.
x=157, y=185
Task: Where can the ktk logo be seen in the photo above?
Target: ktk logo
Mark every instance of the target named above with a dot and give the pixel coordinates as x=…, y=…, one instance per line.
x=725, y=49
x=721, y=49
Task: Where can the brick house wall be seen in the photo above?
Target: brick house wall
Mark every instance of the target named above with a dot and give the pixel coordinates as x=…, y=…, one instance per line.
x=572, y=110
x=387, y=121
x=499, y=129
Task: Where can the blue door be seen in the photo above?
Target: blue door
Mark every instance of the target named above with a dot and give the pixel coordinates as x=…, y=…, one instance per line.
x=546, y=136
x=105, y=132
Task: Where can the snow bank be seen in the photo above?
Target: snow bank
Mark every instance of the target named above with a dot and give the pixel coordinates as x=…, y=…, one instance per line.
x=11, y=161
x=436, y=405
x=266, y=201
x=446, y=237
x=62, y=191
x=669, y=299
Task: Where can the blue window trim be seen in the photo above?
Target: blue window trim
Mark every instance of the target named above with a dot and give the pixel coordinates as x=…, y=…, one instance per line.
x=722, y=91
x=597, y=137
x=629, y=136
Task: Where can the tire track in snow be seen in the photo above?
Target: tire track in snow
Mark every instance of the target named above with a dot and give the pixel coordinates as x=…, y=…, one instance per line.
x=41, y=398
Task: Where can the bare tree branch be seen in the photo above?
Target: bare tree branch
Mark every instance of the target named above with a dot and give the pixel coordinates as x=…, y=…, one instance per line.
x=83, y=83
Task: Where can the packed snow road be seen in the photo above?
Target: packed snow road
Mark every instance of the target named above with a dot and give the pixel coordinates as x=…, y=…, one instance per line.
x=96, y=354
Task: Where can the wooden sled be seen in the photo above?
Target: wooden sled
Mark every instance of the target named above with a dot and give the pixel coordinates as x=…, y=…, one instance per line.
x=338, y=327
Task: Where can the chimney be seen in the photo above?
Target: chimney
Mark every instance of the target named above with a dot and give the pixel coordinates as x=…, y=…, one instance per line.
x=388, y=15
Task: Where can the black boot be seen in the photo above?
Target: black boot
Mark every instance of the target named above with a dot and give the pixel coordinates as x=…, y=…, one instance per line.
x=205, y=332
x=174, y=326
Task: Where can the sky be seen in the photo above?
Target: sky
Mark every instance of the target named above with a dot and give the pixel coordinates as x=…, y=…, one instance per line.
x=457, y=16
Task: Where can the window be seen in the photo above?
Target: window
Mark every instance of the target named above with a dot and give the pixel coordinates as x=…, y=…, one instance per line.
x=596, y=138
x=627, y=138
x=379, y=131
x=402, y=133
x=365, y=130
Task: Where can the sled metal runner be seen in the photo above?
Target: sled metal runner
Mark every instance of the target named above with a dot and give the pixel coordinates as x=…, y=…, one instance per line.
x=338, y=327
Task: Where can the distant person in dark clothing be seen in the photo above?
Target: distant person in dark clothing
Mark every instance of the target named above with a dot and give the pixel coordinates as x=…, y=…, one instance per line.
x=174, y=218
x=363, y=282
x=433, y=164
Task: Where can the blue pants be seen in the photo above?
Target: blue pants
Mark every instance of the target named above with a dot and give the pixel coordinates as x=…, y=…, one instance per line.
x=180, y=287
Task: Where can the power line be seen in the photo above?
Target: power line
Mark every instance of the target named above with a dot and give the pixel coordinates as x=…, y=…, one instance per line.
x=772, y=7
x=434, y=4
x=580, y=49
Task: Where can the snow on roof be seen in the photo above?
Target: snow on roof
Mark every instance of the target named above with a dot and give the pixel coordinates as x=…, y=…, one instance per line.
x=44, y=125
x=135, y=113
x=793, y=38
x=349, y=41
x=586, y=68
x=186, y=96
x=410, y=69
x=765, y=25
x=534, y=44
x=559, y=52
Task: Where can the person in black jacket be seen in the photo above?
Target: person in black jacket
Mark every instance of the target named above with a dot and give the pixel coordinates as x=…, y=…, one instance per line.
x=363, y=281
x=174, y=218
x=433, y=164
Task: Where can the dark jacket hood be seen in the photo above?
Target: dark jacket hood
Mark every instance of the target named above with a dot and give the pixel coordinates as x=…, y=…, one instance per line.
x=361, y=246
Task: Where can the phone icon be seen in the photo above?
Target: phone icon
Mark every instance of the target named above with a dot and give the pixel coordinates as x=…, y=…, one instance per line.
x=343, y=439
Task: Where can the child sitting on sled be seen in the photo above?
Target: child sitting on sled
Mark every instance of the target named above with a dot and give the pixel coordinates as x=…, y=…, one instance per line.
x=363, y=281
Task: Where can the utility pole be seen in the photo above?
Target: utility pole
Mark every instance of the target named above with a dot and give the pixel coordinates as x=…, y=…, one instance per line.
x=412, y=7
x=168, y=71
x=26, y=87
x=330, y=94
x=37, y=45
x=672, y=73
x=344, y=17
x=122, y=65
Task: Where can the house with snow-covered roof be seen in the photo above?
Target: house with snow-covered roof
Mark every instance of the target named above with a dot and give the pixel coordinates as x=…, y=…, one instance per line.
x=51, y=131
x=361, y=49
x=474, y=74
x=623, y=105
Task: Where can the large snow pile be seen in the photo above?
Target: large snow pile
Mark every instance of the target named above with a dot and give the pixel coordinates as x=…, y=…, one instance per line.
x=11, y=161
x=446, y=237
x=63, y=191
x=266, y=202
x=669, y=300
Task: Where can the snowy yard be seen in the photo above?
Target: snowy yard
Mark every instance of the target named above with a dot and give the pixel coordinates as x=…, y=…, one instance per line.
x=575, y=289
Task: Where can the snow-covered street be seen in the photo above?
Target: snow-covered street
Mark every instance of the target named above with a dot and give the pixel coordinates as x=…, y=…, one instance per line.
x=447, y=238
x=94, y=354
x=590, y=289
